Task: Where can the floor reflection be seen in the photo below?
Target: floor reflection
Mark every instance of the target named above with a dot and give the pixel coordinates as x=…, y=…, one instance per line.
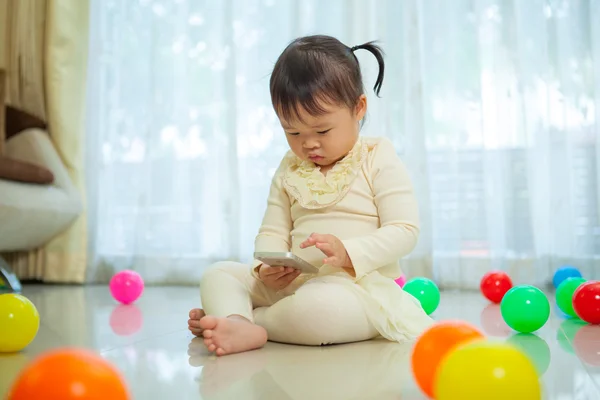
x=535, y=348
x=149, y=343
x=587, y=344
x=565, y=335
x=492, y=322
x=358, y=370
x=126, y=320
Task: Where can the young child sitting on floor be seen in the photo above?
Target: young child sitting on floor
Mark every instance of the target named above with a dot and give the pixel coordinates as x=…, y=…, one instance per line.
x=341, y=202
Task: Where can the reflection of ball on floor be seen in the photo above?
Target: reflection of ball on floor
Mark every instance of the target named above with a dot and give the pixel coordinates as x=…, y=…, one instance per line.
x=494, y=285
x=126, y=286
x=535, y=348
x=434, y=344
x=126, y=319
x=425, y=291
x=19, y=322
x=587, y=344
x=565, y=335
x=525, y=308
x=563, y=273
x=492, y=322
x=482, y=370
x=69, y=374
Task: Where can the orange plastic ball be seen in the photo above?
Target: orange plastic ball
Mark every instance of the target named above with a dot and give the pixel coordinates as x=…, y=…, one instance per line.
x=434, y=344
x=69, y=374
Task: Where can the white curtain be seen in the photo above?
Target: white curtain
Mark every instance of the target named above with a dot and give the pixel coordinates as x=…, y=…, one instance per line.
x=491, y=104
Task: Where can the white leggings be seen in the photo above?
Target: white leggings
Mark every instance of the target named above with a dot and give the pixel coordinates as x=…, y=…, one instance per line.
x=316, y=313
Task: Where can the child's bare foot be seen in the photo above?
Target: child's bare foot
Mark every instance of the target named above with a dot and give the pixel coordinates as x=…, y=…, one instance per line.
x=196, y=315
x=233, y=334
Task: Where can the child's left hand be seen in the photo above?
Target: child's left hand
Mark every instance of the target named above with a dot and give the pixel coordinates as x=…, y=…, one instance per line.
x=332, y=247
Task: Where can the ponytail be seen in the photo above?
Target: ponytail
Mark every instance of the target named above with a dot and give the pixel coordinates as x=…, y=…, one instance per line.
x=317, y=70
x=378, y=53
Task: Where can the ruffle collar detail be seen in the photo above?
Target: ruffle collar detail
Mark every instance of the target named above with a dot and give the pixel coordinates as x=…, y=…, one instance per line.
x=304, y=181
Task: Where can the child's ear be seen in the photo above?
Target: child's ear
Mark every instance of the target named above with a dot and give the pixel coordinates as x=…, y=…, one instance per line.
x=361, y=107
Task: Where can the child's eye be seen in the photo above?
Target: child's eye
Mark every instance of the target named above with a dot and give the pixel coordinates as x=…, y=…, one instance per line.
x=293, y=133
x=323, y=132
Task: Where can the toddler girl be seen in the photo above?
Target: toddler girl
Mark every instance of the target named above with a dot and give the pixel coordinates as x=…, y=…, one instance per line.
x=343, y=203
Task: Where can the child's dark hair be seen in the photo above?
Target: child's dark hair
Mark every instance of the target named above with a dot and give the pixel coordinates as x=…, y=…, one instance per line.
x=317, y=70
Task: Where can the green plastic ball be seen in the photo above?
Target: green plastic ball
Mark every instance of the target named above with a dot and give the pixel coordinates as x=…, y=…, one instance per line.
x=564, y=295
x=525, y=308
x=425, y=291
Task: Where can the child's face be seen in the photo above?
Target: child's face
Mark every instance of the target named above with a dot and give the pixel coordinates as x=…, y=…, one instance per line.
x=327, y=138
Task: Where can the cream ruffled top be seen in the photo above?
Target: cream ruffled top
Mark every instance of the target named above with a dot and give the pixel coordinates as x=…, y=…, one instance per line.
x=366, y=200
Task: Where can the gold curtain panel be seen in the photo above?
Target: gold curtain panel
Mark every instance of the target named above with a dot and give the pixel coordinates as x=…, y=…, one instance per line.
x=24, y=25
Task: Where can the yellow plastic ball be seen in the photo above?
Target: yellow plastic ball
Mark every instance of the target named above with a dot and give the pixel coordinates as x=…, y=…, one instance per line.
x=19, y=322
x=487, y=370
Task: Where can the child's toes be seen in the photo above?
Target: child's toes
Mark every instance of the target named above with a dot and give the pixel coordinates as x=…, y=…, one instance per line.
x=208, y=322
x=195, y=332
x=194, y=323
x=212, y=347
x=208, y=342
x=197, y=313
x=207, y=333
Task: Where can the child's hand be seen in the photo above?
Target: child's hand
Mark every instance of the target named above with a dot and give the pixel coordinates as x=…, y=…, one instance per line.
x=332, y=247
x=277, y=278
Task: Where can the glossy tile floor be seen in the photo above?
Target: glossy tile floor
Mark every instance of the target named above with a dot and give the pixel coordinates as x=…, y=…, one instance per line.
x=160, y=359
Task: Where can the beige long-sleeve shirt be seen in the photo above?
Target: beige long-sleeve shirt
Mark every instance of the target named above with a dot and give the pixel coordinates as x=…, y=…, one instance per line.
x=366, y=200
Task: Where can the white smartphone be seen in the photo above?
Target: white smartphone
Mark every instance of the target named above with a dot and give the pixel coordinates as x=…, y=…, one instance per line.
x=286, y=259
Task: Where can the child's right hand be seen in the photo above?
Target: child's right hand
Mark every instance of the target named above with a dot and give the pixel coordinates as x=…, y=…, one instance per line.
x=277, y=278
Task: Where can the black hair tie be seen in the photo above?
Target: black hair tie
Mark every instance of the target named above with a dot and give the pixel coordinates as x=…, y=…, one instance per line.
x=354, y=48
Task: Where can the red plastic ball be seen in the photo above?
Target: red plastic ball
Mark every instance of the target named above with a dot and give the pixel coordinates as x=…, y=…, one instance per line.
x=494, y=285
x=586, y=302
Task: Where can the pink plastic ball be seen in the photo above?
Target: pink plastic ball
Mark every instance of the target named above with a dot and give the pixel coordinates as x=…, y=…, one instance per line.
x=401, y=281
x=126, y=286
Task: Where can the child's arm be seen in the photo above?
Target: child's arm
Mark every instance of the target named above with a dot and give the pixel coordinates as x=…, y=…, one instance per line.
x=274, y=232
x=398, y=215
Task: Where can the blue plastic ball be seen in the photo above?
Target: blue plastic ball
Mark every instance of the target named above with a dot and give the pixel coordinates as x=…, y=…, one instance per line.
x=564, y=273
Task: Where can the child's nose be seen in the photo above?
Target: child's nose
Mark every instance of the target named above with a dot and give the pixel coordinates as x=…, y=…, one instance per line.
x=311, y=144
